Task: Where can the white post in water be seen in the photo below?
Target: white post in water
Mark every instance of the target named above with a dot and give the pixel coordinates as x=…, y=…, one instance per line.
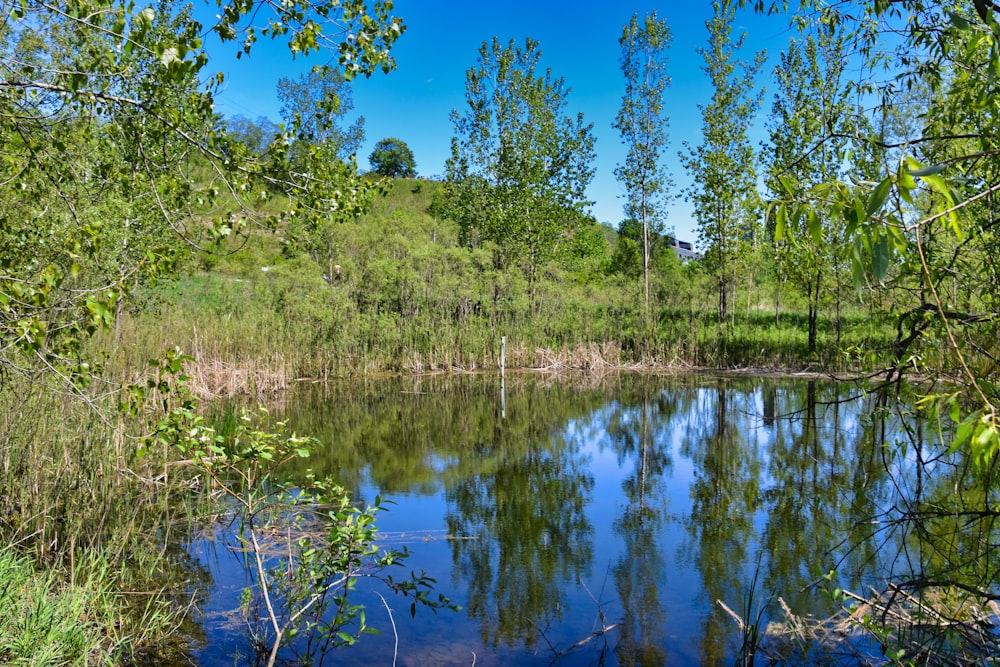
x=503, y=353
x=503, y=392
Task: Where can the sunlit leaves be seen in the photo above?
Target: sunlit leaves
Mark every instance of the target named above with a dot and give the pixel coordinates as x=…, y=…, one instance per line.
x=360, y=33
x=643, y=128
x=520, y=164
x=391, y=157
x=877, y=198
x=111, y=138
x=723, y=166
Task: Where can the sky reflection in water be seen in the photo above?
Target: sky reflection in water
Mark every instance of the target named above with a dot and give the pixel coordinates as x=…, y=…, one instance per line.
x=639, y=500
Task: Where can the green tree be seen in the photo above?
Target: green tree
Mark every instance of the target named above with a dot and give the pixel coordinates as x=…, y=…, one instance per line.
x=627, y=256
x=102, y=119
x=393, y=158
x=923, y=231
x=812, y=121
x=722, y=167
x=114, y=166
x=643, y=127
x=257, y=135
x=519, y=166
x=315, y=107
x=928, y=217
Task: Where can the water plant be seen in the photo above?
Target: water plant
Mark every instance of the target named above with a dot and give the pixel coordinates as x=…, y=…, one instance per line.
x=306, y=546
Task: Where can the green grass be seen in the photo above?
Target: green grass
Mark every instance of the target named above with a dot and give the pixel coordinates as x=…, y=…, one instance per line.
x=410, y=298
x=54, y=617
x=90, y=529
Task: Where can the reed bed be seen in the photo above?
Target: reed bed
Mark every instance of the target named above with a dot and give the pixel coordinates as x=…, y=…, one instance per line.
x=925, y=630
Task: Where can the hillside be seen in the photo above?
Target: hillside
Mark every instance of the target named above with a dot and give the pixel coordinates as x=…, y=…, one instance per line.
x=396, y=291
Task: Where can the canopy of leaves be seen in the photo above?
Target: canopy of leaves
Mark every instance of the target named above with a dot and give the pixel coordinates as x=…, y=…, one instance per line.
x=519, y=166
x=391, y=157
x=113, y=158
x=925, y=225
x=315, y=107
x=641, y=120
x=643, y=127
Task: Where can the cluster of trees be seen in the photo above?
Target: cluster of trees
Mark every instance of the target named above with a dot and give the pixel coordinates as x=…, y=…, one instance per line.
x=881, y=180
x=881, y=173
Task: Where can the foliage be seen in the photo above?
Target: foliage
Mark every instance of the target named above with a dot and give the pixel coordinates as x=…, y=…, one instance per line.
x=921, y=230
x=313, y=109
x=643, y=127
x=115, y=166
x=391, y=157
x=104, y=123
x=519, y=167
x=256, y=135
x=722, y=166
x=930, y=219
x=302, y=587
x=812, y=122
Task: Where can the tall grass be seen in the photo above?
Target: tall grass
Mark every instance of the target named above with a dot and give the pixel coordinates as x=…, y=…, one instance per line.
x=90, y=529
x=410, y=299
x=54, y=617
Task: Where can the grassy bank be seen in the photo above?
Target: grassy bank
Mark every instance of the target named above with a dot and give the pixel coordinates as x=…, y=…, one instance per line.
x=409, y=298
x=74, y=616
x=91, y=568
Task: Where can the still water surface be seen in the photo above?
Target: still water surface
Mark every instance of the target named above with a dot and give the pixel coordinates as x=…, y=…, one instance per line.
x=570, y=504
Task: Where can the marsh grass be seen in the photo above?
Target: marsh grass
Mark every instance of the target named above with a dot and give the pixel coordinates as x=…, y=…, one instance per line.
x=256, y=336
x=77, y=613
x=91, y=530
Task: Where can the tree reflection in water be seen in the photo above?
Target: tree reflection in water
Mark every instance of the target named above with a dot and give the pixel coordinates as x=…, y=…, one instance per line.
x=670, y=489
x=635, y=430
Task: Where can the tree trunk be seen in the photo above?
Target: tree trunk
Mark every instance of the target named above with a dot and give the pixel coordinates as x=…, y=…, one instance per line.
x=722, y=299
x=813, y=312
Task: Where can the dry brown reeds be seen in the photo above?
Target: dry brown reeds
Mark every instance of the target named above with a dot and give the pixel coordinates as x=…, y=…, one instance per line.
x=215, y=377
x=939, y=627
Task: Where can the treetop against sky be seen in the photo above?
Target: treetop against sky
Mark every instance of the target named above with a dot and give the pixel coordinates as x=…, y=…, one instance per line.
x=578, y=40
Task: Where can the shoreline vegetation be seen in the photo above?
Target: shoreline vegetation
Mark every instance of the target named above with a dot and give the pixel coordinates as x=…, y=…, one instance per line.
x=154, y=252
x=409, y=299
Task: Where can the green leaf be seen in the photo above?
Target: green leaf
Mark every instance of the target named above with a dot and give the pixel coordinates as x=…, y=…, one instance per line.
x=906, y=183
x=857, y=267
x=957, y=20
x=878, y=197
x=780, y=221
x=965, y=430
x=815, y=226
x=880, y=258
x=929, y=170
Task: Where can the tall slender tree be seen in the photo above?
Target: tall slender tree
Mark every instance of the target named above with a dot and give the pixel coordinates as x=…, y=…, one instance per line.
x=520, y=165
x=643, y=127
x=812, y=119
x=722, y=170
x=315, y=107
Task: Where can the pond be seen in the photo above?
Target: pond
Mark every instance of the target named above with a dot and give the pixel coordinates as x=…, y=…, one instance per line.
x=581, y=520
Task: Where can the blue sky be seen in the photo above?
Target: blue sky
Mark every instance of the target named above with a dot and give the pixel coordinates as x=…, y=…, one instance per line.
x=579, y=41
